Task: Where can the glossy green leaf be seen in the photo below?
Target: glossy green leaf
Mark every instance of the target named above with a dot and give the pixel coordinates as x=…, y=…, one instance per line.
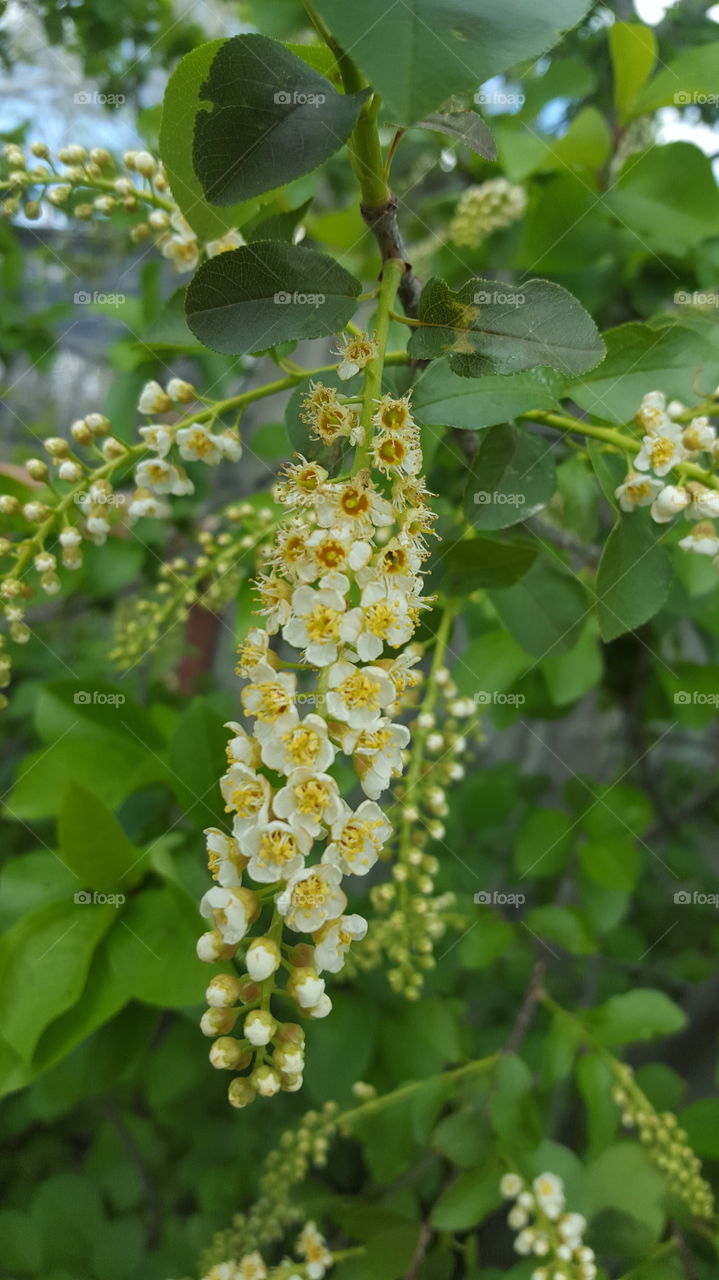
x=152, y=950
x=546, y=610
x=266, y=293
x=665, y=215
x=633, y=49
x=93, y=844
x=687, y=79
x=463, y=567
x=490, y=327
x=468, y=1200
x=512, y=473
x=273, y=118
x=442, y=398
x=640, y=1014
x=633, y=577
x=197, y=760
x=614, y=863
x=464, y=127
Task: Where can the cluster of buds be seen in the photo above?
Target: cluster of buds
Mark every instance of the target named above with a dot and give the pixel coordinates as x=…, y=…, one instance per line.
x=92, y=184
x=344, y=585
x=666, y=1143
x=286, y=1166
x=546, y=1231
x=206, y=577
x=412, y=917
x=310, y=1247
x=674, y=437
x=491, y=206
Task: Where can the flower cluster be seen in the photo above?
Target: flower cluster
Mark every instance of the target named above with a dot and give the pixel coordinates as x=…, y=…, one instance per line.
x=546, y=1230
x=493, y=205
x=673, y=439
x=136, y=183
x=207, y=576
x=310, y=1247
x=666, y=1143
x=343, y=586
x=412, y=918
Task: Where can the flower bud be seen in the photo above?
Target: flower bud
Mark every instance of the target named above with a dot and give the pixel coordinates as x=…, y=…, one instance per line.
x=223, y=991
x=40, y=149
x=36, y=468
x=70, y=471
x=211, y=947
x=227, y=1054
x=145, y=163
x=9, y=505
x=265, y=1081
x=306, y=986
x=241, y=1093
x=262, y=959
x=259, y=1027
x=217, y=1022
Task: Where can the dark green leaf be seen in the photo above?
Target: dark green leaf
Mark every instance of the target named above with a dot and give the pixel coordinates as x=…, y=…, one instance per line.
x=665, y=214
x=641, y=1014
x=512, y=473
x=468, y=1200
x=564, y=925
x=463, y=567
x=544, y=843
x=490, y=327
x=633, y=577
x=442, y=398
x=544, y=611
x=255, y=297
x=273, y=118
x=93, y=844
x=197, y=759
x=633, y=48
x=465, y=127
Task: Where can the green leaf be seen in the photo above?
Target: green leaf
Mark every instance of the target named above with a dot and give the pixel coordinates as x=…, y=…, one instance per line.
x=544, y=843
x=692, y=74
x=490, y=327
x=623, y=1178
x=468, y=1200
x=566, y=926
x=489, y=665
x=613, y=863
x=546, y=610
x=666, y=215
x=586, y=144
x=641, y=1014
x=279, y=226
x=675, y=360
x=442, y=398
x=98, y=707
x=512, y=473
x=152, y=949
x=197, y=759
x=44, y=961
x=19, y=1245
x=570, y=675
x=93, y=844
x=269, y=292
x=595, y=1082
x=463, y=1138
x=101, y=998
x=463, y=567
x=465, y=127
x=512, y=1109
x=617, y=810
x=273, y=118
x=180, y=106
x=418, y=54
x=700, y=1120
x=633, y=49
x=109, y=765
x=633, y=577
x=31, y=880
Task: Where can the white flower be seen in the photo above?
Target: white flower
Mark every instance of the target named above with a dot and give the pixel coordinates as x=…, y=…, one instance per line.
x=182, y=248
x=266, y=1081
x=702, y=540
x=241, y=748
x=252, y=651
x=306, y=986
x=145, y=504
x=699, y=436
x=311, y=1246
x=276, y=851
x=572, y=1227
x=262, y=958
x=312, y=896
x=314, y=625
x=511, y=1185
x=305, y=745
x=289, y=1059
x=705, y=503
x=525, y=1241
x=549, y=1190
x=259, y=1027
x=231, y=911
x=660, y=452
x=230, y=240
x=356, y=505
x=180, y=391
x=161, y=476
x=355, y=353
x=153, y=399
x=157, y=437
x=652, y=413
x=322, y=1009
x=377, y=754
x=381, y=618
x=637, y=491
x=334, y=939
x=358, y=695
x=395, y=454
x=246, y=794
x=357, y=839
x=310, y=801
x=517, y=1218
x=225, y=860
x=198, y=444
x=334, y=549
x=270, y=697
x=672, y=499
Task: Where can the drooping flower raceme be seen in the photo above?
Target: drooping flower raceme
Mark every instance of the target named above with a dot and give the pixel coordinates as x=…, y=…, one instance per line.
x=545, y=1230
x=342, y=589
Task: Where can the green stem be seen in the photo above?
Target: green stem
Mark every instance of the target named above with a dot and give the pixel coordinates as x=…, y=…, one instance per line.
x=392, y=273
x=348, y=1118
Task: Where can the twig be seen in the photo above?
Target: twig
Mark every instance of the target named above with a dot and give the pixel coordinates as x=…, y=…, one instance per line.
x=526, y=1009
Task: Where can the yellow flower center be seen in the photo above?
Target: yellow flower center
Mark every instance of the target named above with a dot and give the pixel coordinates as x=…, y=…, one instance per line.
x=394, y=416
x=312, y=797
x=354, y=502
x=360, y=690
x=247, y=799
x=379, y=618
x=311, y=892
x=392, y=452
x=274, y=701
x=374, y=739
x=331, y=554
x=302, y=746
x=635, y=492
x=277, y=846
x=200, y=443
x=323, y=623
x=661, y=452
